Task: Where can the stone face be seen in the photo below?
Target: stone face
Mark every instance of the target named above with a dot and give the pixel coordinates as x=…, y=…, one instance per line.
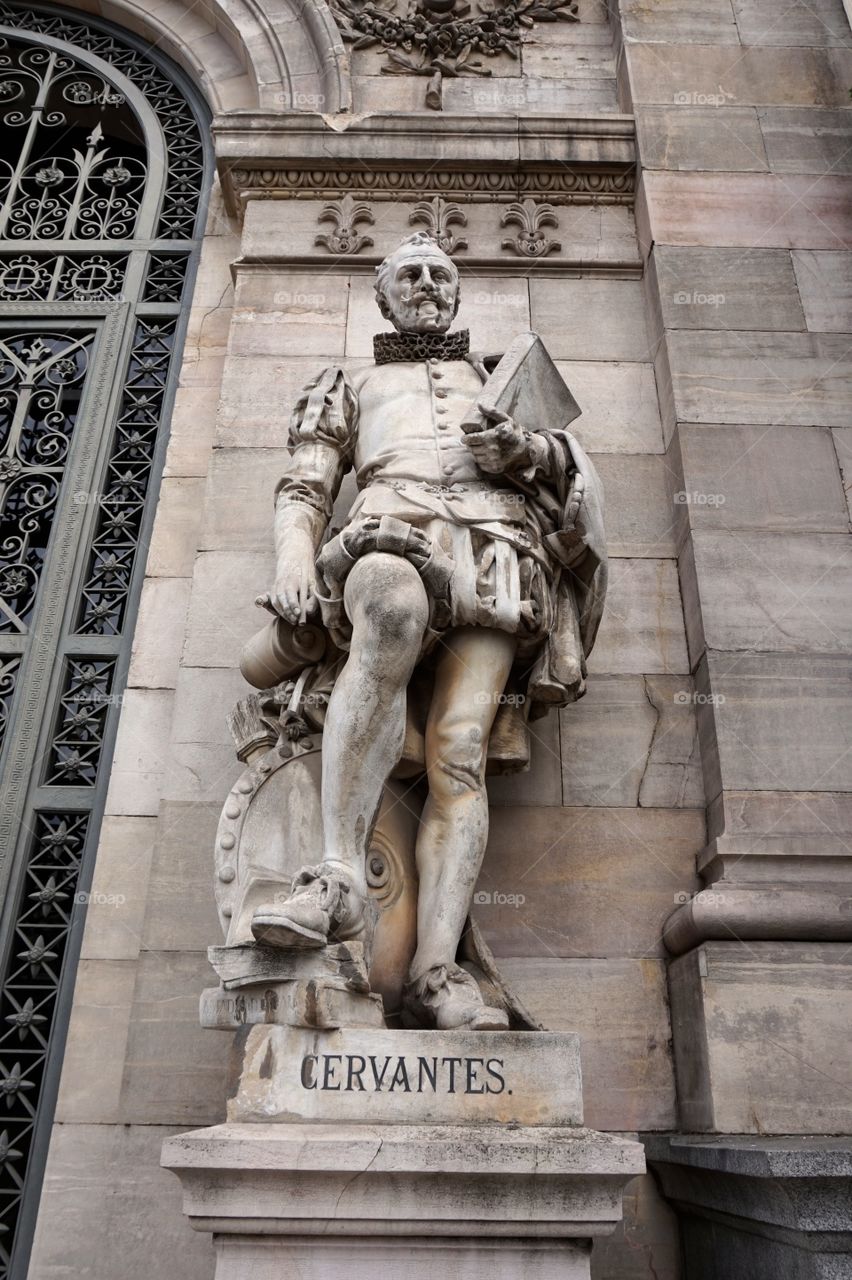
x=364, y=1075
x=793, y=591
x=99, y=1179
x=727, y=289
x=590, y=319
x=825, y=285
x=759, y=1035
x=619, y=404
x=642, y=628
x=759, y=748
x=750, y=478
x=633, y=740
x=619, y=1010
x=761, y=211
x=788, y=378
x=575, y=882
x=725, y=138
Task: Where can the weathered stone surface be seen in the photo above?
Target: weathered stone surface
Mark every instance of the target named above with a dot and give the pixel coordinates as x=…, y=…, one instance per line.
x=709, y=75
x=639, y=517
x=619, y=403
x=492, y=1200
x=181, y=911
x=203, y=698
x=724, y=138
x=702, y=288
x=680, y=21
x=176, y=527
x=749, y=210
x=240, y=497
x=820, y=22
x=108, y=1209
x=93, y=1060
x=825, y=285
x=589, y=319
x=642, y=628
x=787, y=378
x=365, y=1075
x=764, y=745
x=141, y=752
x=793, y=591
x=116, y=902
x=175, y=1071
x=751, y=478
x=288, y=313
x=805, y=141
x=584, y=94
x=843, y=444
x=809, y=813
x=222, y=611
x=159, y=633
x=646, y=1244
x=258, y=394
x=618, y=1008
x=585, y=881
x=191, y=429
x=545, y=54
x=542, y=783
x=759, y=1207
x=759, y=1037
x=632, y=741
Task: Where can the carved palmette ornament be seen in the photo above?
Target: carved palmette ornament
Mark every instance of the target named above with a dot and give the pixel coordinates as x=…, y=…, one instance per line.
x=531, y=241
x=438, y=215
x=345, y=213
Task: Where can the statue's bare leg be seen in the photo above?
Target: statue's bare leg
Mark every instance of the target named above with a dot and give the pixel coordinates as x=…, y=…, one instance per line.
x=364, y=731
x=470, y=677
x=363, y=737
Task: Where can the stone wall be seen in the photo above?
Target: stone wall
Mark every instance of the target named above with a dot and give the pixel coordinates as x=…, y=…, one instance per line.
x=740, y=199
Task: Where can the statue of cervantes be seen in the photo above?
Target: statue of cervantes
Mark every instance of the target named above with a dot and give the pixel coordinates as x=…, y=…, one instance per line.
x=465, y=585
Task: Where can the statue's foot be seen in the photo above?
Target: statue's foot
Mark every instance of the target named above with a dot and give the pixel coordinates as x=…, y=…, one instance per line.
x=448, y=999
x=323, y=907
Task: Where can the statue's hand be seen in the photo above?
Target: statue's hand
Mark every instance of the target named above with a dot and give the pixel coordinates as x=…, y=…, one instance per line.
x=499, y=448
x=294, y=595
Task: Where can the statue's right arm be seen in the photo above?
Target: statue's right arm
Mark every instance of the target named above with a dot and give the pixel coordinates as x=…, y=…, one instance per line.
x=322, y=434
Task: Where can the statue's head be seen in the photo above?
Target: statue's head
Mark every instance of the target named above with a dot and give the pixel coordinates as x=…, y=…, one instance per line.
x=417, y=287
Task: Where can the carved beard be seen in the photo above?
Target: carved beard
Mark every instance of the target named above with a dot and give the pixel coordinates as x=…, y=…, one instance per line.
x=422, y=313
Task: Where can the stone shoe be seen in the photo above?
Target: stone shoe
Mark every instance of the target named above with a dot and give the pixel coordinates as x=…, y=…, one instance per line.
x=322, y=907
x=448, y=998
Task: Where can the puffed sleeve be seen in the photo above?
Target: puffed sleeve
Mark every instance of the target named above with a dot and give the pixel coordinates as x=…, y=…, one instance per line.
x=322, y=441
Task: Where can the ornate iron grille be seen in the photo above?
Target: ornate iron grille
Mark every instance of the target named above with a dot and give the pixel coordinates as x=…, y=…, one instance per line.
x=103, y=170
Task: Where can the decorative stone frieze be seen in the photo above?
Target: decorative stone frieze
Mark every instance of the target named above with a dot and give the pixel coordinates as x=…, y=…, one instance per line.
x=438, y=38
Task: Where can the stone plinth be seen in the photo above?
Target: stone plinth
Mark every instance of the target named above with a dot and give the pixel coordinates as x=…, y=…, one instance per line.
x=759, y=1208
x=374, y=1201
x=364, y=1074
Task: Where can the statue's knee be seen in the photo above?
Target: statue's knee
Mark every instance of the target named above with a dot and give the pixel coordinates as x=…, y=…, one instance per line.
x=458, y=766
x=384, y=594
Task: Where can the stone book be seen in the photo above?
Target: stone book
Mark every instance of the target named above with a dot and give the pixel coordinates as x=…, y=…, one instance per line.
x=526, y=386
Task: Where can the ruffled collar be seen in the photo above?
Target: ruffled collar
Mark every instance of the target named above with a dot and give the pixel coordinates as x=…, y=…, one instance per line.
x=388, y=348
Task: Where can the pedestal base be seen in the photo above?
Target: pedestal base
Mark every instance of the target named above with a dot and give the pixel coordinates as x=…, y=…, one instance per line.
x=375, y=1201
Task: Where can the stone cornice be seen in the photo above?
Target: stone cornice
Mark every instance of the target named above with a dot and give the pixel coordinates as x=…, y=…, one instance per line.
x=502, y=158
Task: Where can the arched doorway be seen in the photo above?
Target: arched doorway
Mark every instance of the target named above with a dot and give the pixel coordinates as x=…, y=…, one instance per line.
x=104, y=170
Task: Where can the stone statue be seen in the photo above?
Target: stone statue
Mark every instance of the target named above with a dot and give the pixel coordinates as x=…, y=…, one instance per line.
x=460, y=598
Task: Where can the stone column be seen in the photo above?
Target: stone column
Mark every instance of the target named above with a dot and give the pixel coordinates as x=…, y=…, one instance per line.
x=745, y=230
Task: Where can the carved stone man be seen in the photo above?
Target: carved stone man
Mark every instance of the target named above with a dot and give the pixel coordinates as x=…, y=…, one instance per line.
x=470, y=563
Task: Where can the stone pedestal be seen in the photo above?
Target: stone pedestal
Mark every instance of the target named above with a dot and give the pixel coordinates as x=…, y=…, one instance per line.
x=759, y=1208
x=374, y=1201
x=368, y=1152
